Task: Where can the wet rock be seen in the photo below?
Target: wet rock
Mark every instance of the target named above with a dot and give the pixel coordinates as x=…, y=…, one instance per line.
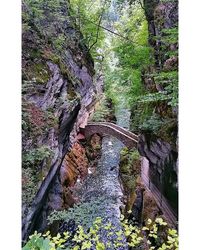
x=95, y=142
x=75, y=164
x=162, y=165
x=137, y=209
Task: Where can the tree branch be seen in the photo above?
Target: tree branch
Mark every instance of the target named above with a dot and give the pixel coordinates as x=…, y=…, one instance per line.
x=100, y=19
x=114, y=33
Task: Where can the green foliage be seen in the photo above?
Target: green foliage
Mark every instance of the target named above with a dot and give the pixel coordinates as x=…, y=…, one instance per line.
x=88, y=16
x=48, y=19
x=34, y=157
x=37, y=242
x=45, y=242
x=59, y=42
x=170, y=94
x=31, y=174
x=139, y=113
x=102, y=111
x=129, y=168
x=169, y=36
x=152, y=123
x=29, y=185
x=156, y=234
x=132, y=155
x=36, y=7
x=82, y=213
x=134, y=59
x=168, y=81
x=37, y=12
x=133, y=54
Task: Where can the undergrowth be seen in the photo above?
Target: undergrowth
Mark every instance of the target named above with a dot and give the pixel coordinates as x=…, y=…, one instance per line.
x=101, y=236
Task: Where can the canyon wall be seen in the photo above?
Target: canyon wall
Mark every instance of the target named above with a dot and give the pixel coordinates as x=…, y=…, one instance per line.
x=160, y=144
x=57, y=95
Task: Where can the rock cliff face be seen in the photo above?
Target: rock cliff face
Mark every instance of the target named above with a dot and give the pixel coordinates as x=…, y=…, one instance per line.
x=161, y=15
x=162, y=166
x=160, y=147
x=57, y=96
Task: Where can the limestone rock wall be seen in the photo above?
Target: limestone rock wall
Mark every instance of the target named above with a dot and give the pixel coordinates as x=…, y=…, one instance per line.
x=57, y=93
x=161, y=147
x=163, y=170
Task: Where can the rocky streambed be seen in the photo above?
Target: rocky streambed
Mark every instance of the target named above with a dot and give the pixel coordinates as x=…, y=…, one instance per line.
x=100, y=193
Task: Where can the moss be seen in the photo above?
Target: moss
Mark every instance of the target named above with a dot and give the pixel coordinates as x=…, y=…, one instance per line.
x=129, y=172
x=168, y=132
x=35, y=53
x=29, y=185
x=37, y=71
x=50, y=119
x=55, y=58
x=71, y=93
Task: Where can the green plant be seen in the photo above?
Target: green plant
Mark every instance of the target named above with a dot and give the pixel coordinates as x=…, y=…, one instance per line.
x=169, y=82
x=34, y=157
x=152, y=123
x=45, y=242
x=104, y=235
x=169, y=36
x=89, y=17
x=128, y=158
x=102, y=111
x=29, y=185
x=59, y=42
x=82, y=213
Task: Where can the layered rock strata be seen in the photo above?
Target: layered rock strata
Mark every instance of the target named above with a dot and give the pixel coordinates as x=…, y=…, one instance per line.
x=57, y=97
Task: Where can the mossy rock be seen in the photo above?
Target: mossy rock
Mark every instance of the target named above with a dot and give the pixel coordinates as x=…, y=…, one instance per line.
x=125, y=169
x=35, y=53
x=71, y=93
x=53, y=56
x=37, y=71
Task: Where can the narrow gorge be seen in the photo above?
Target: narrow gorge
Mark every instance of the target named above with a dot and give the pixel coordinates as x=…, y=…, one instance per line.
x=99, y=124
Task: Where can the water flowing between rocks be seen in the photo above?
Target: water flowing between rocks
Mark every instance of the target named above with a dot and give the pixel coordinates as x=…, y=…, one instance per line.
x=104, y=183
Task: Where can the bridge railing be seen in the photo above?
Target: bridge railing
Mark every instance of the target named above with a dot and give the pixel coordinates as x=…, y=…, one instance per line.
x=117, y=128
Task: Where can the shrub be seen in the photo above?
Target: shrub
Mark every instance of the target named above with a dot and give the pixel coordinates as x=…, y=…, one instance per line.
x=35, y=156
x=154, y=235
x=29, y=185
x=152, y=123
x=81, y=213
x=102, y=111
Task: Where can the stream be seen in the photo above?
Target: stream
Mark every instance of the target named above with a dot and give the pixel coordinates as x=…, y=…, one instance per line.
x=102, y=189
x=104, y=184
